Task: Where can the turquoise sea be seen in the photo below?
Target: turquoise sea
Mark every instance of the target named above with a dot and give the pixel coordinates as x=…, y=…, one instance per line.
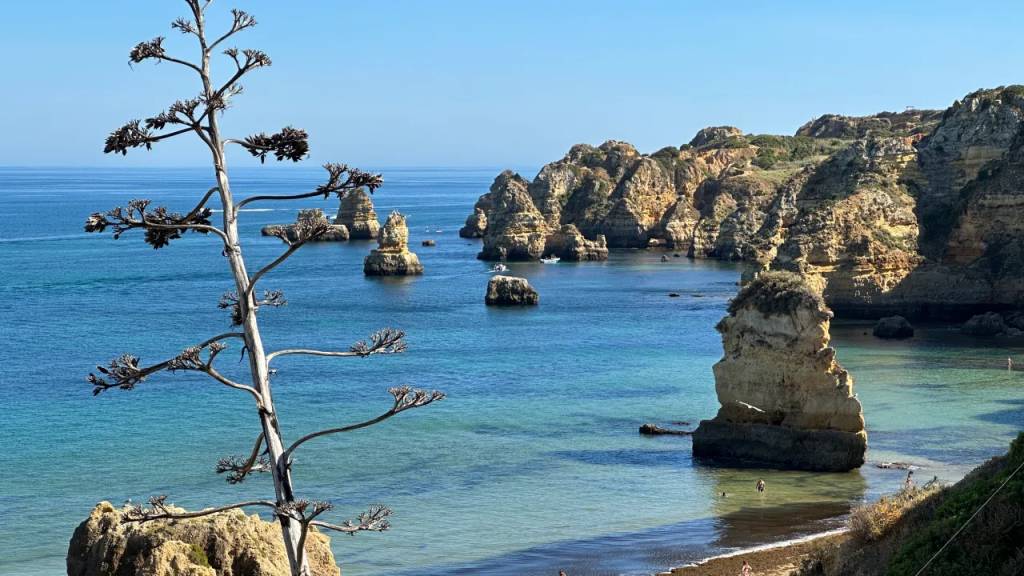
x=532, y=464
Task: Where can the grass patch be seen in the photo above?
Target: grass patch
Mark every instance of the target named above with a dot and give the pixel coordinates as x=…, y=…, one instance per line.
x=777, y=292
x=198, y=556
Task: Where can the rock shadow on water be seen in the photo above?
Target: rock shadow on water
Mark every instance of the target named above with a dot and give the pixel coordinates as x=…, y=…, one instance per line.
x=658, y=549
x=1012, y=416
x=631, y=457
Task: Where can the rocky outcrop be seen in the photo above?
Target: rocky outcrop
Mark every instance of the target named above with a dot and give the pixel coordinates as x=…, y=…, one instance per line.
x=392, y=256
x=569, y=244
x=476, y=224
x=516, y=230
x=912, y=213
x=893, y=328
x=356, y=213
x=337, y=232
x=224, y=544
x=785, y=401
x=510, y=291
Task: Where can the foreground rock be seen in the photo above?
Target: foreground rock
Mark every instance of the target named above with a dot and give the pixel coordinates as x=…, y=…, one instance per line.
x=510, y=291
x=893, y=328
x=785, y=401
x=225, y=544
x=392, y=256
x=356, y=213
x=337, y=232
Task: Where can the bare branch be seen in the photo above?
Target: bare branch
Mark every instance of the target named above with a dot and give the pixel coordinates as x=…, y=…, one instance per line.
x=125, y=373
x=385, y=341
x=154, y=50
x=242, y=21
x=374, y=519
x=239, y=469
x=159, y=510
x=406, y=398
x=232, y=384
x=134, y=135
x=160, y=225
x=272, y=298
x=341, y=179
x=288, y=144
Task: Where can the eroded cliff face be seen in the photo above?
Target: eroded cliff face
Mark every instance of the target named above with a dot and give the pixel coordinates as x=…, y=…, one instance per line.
x=785, y=401
x=912, y=213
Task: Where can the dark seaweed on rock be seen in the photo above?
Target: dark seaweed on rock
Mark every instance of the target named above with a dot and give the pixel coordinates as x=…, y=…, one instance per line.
x=777, y=292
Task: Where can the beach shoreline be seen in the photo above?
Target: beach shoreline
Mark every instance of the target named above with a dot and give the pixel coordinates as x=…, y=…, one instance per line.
x=774, y=559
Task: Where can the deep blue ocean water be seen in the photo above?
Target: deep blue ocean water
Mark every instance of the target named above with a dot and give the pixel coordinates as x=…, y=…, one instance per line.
x=532, y=464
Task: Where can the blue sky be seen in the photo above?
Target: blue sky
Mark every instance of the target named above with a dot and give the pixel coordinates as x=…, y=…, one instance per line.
x=495, y=83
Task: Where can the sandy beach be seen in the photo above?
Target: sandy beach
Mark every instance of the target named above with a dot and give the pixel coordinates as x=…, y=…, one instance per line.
x=772, y=560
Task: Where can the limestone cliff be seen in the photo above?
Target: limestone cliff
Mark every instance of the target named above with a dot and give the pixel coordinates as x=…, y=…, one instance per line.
x=224, y=544
x=785, y=401
x=392, y=256
x=912, y=213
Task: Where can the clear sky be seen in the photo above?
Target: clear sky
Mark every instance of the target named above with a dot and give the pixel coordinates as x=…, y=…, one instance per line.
x=495, y=83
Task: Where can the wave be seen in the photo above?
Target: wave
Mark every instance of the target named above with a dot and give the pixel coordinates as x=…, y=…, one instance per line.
x=45, y=238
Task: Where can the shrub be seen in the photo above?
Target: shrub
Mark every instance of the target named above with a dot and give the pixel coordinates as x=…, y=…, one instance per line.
x=777, y=292
x=873, y=521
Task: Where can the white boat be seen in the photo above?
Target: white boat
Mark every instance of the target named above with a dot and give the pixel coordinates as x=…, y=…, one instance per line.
x=499, y=268
x=550, y=260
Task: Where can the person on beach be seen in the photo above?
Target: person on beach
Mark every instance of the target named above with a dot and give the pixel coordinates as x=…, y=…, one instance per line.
x=745, y=571
x=909, y=482
x=760, y=486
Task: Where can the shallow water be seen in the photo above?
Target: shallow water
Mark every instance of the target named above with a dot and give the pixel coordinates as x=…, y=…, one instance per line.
x=532, y=464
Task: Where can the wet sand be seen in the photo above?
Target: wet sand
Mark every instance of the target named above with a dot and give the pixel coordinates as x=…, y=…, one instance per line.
x=778, y=560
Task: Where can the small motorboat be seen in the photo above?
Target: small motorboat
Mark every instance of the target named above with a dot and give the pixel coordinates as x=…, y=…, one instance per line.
x=550, y=260
x=499, y=267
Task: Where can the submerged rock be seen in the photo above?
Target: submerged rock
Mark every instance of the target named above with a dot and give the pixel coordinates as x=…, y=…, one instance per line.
x=655, y=430
x=224, y=544
x=356, y=213
x=337, y=233
x=428, y=243
x=785, y=401
x=893, y=328
x=989, y=324
x=510, y=291
x=392, y=256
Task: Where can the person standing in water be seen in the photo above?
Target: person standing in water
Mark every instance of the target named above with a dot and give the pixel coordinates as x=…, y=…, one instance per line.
x=1009, y=364
x=760, y=486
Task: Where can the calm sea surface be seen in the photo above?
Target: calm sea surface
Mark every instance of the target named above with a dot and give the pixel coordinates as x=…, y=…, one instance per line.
x=532, y=464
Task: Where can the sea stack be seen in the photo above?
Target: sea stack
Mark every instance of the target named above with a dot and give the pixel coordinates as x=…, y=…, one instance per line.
x=337, y=233
x=356, y=213
x=510, y=291
x=785, y=401
x=392, y=256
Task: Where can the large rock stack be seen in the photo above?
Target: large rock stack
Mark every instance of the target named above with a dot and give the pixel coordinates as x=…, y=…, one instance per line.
x=785, y=401
x=356, y=213
x=392, y=256
x=223, y=544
